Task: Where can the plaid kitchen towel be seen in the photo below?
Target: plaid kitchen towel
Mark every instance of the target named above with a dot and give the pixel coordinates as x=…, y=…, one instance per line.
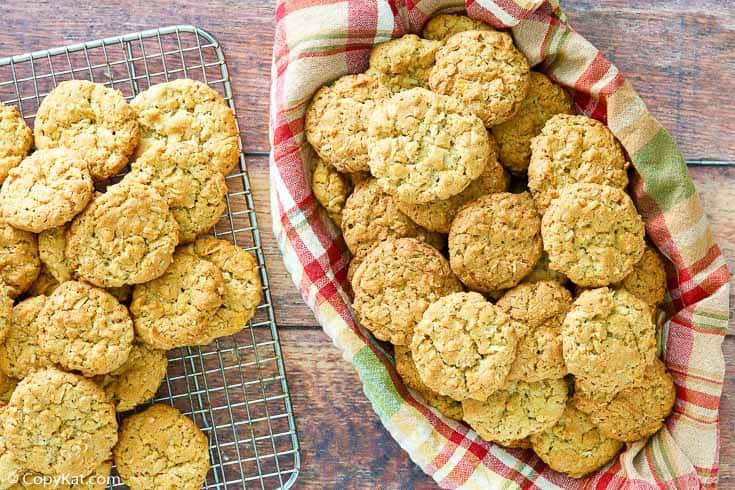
x=319, y=40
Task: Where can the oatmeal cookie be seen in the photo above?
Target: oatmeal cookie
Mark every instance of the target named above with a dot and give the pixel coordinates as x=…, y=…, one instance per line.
x=647, y=280
x=518, y=410
x=407, y=370
x=543, y=272
x=424, y=147
x=161, y=448
x=464, y=346
x=593, y=234
x=609, y=338
x=46, y=190
x=85, y=329
x=634, y=413
x=136, y=381
x=188, y=110
x=6, y=311
x=59, y=423
x=331, y=189
x=574, y=445
x=485, y=72
x=97, y=480
x=541, y=307
x=94, y=120
x=52, y=251
x=371, y=216
x=19, y=262
x=403, y=63
x=242, y=286
x=20, y=354
x=395, y=283
x=443, y=26
x=336, y=120
x=10, y=468
x=544, y=100
x=125, y=236
x=573, y=149
x=175, y=309
x=182, y=174
x=44, y=285
x=495, y=241
x=16, y=139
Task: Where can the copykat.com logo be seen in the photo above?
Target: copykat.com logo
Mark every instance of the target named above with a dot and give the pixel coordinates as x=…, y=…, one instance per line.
x=71, y=481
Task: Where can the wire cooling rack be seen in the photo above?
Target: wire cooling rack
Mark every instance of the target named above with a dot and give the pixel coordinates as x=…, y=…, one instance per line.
x=234, y=389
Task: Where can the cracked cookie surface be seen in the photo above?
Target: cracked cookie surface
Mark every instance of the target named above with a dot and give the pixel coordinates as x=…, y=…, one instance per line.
x=19, y=262
x=647, y=280
x=403, y=63
x=331, y=189
x=52, y=251
x=6, y=311
x=444, y=26
x=16, y=139
x=20, y=354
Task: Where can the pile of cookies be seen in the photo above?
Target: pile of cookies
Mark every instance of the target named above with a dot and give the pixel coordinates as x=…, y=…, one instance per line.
x=98, y=280
x=494, y=244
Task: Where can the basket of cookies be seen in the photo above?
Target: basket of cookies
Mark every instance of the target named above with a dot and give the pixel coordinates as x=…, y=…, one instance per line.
x=504, y=243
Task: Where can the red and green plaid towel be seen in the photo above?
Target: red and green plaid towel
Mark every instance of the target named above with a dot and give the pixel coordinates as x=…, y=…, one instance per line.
x=320, y=40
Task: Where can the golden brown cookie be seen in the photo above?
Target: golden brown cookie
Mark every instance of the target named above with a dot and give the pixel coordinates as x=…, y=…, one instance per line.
x=161, y=448
x=518, y=410
x=425, y=147
x=52, y=251
x=183, y=175
x=58, y=423
x=371, y=216
x=188, y=110
x=495, y=241
x=10, y=468
x=175, y=309
x=542, y=272
x=125, y=236
x=403, y=63
x=45, y=283
x=574, y=445
x=136, y=381
x=85, y=329
x=593, y=234
x=443, y=26
x=19, y=262
x=331, y=189
x=94, y=120
x=242, y=286
x=20, y=354
x=6, y=311
x=407, y=370
x=336, y=120
x=47, y=189
x=464, y=346
x=97, y=480
x=541, y=307
x=395, y=283
x=485, y=72
x=609, y=339
x=573, y=149
x=544, y=100
x=634, y=413
x=16, y=139
x=647, y=281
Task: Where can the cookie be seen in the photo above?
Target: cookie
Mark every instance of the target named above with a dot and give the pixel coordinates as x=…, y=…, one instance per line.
x=6, y=311
x=331, y=189
x=52, y=252
x=47, y=189
x=647, y=280
x=443, y=26
x=161, y=448
x=20, y=354
x=485, y=72
x=425, y=147
x=541, y=307
x=193, y=189
x=394, y=285
x=371, y=216
x=572, y=149
x=7, y=387
x=609, y=338
x=175, y=309
x=403, y=63
x=188, y=110
x=543, y=272
x=634, y=413
x=438, y=215
x=495, y=241
x=544, y=100
x=407, y=370
x=59, y=423
x=336, y=120
x=517, y=411
x=44, y=285
x=125, y=236
x=94, y=120
x=136, y=381
x=16, y=139
x=593, y=234
x=85, y=329
x=19, y=262
x=97, y=480
x=464, y=346
x=10, y=468
x=574, y=445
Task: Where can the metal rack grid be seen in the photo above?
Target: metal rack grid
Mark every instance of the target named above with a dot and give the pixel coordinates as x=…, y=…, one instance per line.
x=234, y=389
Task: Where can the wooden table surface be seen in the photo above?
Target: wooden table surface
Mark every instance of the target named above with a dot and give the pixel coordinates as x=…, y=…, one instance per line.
x=680, y=55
